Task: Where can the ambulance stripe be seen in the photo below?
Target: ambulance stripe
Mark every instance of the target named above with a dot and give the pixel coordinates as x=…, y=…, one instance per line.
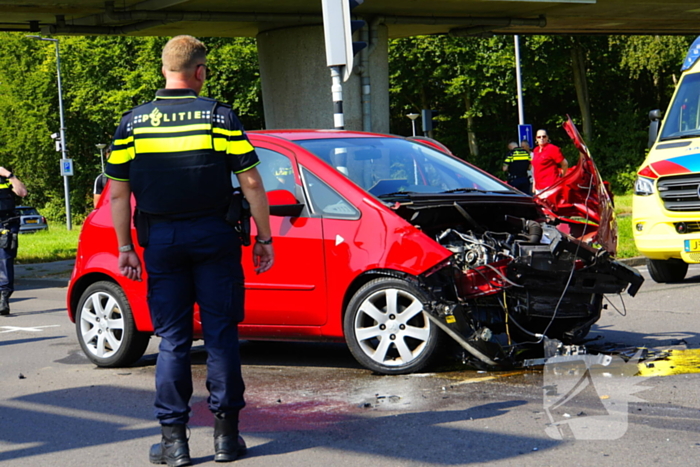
x=669, y=168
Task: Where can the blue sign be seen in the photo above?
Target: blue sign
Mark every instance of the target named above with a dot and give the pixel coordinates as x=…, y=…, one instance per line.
x=525, y=133
x=66, y=167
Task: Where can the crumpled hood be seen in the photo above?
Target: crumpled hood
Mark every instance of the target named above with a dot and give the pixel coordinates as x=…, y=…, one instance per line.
x=581, y=200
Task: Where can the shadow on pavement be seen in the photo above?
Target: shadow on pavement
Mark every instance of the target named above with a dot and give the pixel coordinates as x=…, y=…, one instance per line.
x=90, y=416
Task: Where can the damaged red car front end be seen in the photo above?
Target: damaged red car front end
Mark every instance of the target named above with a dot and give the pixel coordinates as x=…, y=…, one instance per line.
x=533, y=278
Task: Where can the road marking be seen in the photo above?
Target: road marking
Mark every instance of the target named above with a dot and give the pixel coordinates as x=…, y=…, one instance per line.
x=30, y=329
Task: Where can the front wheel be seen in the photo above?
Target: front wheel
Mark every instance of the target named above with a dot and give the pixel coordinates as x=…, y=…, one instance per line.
x=670, y=270
x=387, y=329
x=106, y=329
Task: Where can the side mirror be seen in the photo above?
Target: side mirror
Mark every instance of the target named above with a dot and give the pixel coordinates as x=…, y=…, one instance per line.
x=654, y=117
x=284, y=204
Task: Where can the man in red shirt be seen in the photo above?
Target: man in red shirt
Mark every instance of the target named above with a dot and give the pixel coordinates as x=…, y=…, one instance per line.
x=548, y=163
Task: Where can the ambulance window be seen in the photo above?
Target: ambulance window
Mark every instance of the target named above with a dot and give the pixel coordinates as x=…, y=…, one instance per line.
x=683, y=119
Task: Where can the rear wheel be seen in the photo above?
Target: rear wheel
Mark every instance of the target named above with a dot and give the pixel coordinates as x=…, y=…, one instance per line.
x=106, y=328
x=387, y=330
x=670, y=270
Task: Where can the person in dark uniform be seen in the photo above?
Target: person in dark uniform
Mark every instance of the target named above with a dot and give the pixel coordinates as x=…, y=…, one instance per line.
x=176, y=154
x=517, y=165
x=10, y=186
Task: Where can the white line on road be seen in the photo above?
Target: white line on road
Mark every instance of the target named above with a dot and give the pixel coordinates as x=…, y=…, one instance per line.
x=30, y=329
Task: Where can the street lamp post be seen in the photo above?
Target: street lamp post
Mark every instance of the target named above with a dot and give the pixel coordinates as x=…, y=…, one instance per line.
x=62, y=130
x=101, y=147
x=413, y=117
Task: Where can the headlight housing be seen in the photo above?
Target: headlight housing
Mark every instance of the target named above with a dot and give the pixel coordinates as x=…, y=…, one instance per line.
x=643, y=186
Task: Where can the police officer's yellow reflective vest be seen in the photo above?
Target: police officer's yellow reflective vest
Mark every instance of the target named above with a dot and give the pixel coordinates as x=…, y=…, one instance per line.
x=177, y=146
x=7, y=198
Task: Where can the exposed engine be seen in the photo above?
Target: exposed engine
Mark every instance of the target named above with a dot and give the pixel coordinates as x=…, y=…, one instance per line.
x=521, y=285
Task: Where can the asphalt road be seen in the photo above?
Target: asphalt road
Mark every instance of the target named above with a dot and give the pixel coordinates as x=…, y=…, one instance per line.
x=311, y=404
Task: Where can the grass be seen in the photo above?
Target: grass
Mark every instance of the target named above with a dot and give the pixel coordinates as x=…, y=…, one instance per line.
x=54, y=244
x=625, y=241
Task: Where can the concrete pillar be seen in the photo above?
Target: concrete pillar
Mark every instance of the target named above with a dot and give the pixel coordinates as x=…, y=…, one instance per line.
x=296, y=83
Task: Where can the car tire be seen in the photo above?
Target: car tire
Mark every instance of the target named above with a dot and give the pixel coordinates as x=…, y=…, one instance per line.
x=670, y=270
x=387, y=330
x=106, y=329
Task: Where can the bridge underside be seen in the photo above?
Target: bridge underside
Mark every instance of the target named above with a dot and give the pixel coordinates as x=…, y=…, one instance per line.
x=290, y=72
x=403, y=18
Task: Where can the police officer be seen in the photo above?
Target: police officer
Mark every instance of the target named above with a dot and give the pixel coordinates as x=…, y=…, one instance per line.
x=10, y=186
x=176, y=155
x=517, y=165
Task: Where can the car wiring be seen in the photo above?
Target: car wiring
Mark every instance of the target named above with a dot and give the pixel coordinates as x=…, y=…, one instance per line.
x=573, y=266
x=622, y=300
x=540, y=337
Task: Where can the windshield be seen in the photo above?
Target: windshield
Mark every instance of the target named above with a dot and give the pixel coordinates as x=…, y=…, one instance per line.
x=389, y=166
x=683, y=119
x=27, y=212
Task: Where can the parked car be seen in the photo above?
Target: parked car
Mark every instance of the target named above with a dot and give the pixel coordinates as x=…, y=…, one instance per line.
x=391, y=245
x=30, y=220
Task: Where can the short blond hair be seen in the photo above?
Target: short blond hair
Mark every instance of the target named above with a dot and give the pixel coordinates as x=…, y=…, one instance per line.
x=183, y=53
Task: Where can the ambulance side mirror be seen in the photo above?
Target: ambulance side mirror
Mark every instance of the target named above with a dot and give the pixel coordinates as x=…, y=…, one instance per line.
x=655, y=118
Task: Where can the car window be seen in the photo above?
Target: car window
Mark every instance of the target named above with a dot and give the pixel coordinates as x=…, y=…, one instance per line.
x=275, y=169
x=326, y=201
x=390, y=165
x=27, y=212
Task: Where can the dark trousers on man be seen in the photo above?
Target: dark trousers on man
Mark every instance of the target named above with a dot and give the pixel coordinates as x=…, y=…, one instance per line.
x=188, y=261
x=8, y=252
x=522, y=184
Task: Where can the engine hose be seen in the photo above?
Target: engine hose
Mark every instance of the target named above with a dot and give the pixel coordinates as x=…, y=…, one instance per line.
x=534, y=231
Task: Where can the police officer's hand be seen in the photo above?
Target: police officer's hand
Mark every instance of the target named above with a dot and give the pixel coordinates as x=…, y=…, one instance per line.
x=263, y=257
x=130, y=265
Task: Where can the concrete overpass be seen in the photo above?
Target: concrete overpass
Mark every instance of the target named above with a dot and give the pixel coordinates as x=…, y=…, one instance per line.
x=295, y=80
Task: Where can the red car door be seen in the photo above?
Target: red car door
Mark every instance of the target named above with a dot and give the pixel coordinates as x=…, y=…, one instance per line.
x=293, y=292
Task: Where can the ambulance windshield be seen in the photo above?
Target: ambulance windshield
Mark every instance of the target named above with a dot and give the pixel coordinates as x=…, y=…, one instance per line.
x=683, y=118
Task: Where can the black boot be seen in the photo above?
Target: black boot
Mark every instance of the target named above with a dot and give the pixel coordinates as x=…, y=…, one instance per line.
x=5, y=302
x=173, y=448
x=228, y=444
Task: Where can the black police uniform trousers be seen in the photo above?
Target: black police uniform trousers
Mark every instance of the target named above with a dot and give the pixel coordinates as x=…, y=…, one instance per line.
x=8, y=254
x=195, y=260
x=521, y=183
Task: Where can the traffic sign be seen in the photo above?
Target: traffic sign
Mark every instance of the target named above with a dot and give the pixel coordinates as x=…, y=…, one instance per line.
x=525, y=133
x=66, y=167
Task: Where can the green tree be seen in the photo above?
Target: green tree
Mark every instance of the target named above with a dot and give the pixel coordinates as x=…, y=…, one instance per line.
x=101, y=78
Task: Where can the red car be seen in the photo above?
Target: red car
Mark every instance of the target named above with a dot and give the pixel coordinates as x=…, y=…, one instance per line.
x=389, y=244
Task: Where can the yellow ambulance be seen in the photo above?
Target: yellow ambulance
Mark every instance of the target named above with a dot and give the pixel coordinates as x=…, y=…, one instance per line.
x=666, y=201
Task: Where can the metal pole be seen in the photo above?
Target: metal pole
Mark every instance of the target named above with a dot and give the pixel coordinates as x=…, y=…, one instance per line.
x=66, y=190
x=102, y=159
x=337, y=91
x=521, y=110
x=413, y=116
